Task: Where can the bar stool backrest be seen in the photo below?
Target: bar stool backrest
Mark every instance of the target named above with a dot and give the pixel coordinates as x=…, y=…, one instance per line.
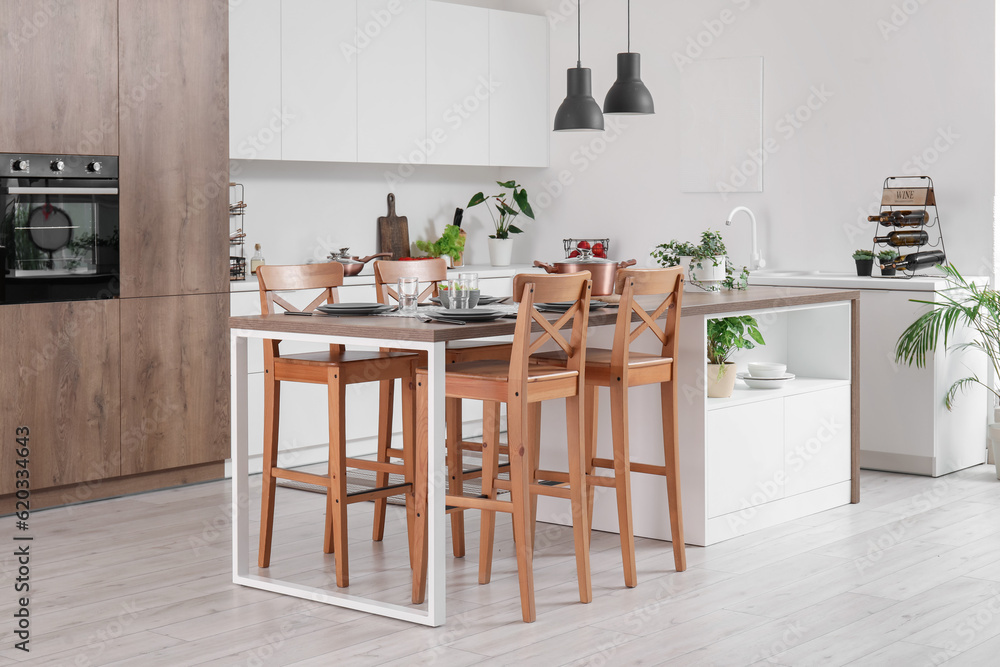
x=530, y=289
x=325, y=277
x=425, y=271
x=632, y=283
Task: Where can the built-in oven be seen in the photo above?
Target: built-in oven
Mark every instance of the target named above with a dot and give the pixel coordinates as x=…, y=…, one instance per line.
x=59, y=231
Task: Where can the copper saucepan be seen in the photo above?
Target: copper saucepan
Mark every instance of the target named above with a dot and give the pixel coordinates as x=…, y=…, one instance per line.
x=602, y=271
x=352, y=264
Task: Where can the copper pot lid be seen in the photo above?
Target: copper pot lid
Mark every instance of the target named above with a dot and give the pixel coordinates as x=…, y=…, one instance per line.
x=344, y=257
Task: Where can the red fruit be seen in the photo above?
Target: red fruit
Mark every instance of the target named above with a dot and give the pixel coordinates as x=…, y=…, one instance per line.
x=598, y=250
x=574, y=254
x=583, y=245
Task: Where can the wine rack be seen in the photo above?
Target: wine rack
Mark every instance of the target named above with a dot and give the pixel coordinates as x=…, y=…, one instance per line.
x=916, y=194
x=237, y=232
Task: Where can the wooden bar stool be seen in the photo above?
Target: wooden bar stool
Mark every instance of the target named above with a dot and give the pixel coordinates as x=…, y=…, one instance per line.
x=620, y=369
x=522, y=385
x=335, y=368
x=431, y=271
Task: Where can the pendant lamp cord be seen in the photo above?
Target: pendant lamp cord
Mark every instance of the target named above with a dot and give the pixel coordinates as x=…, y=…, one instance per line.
x=629, y=30
x=579, y=53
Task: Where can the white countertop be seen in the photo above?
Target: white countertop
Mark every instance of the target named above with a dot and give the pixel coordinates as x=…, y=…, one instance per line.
x=367, y=275
x=791, y=278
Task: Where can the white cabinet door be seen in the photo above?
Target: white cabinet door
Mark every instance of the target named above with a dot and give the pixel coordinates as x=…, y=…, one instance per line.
x=744, y=455
x=519, y=101
x=319, y=80
x=458, y=73
x=391, y=80
x=255, y=117
x=817, y=440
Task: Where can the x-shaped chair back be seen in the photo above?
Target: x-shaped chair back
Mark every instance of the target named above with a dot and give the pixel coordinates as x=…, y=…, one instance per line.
x=632, y=283
x=425, y=271
x=325, y=277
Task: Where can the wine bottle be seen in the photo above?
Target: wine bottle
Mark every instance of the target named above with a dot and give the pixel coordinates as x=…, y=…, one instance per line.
x=901, y=218
x=916, y=260
x=900, y=239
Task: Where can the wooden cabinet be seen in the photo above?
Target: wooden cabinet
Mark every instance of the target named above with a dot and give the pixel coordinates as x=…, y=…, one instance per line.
x=255, y=119
x=519, y=103
x=174, y=171
x=61, y=380
x=458, y=84
x=319, y=80
x=59, y=76
x=175, y=382
x=391, y=80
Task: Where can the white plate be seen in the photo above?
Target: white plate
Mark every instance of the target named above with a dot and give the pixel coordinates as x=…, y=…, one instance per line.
x=765, y=383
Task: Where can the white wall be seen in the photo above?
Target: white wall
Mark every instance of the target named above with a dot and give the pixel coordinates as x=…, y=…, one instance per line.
x=892, y=97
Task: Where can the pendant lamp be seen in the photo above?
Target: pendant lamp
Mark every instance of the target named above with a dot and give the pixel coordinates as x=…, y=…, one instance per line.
x=579, y=111
x=628, y=94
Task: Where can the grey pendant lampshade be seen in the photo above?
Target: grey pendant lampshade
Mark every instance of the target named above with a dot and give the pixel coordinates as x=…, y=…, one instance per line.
x=579, y=111
x=628, y=94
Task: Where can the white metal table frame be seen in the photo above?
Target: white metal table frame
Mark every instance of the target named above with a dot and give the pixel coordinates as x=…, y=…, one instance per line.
x=436, y=476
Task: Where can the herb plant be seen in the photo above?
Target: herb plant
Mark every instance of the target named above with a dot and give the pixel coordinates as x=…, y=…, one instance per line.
x=504, y=224
x=711, y=247
x=451, y=243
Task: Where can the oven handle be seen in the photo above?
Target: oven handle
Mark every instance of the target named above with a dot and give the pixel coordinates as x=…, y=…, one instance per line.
x=62, y=191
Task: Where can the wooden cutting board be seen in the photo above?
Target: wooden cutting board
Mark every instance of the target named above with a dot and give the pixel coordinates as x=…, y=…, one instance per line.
x=393, y=232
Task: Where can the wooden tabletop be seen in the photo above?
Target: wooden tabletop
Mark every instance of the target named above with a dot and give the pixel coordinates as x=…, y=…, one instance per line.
x=405, y=328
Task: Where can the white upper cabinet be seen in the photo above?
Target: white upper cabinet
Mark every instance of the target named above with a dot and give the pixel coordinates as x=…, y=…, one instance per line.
x=458, y=84
x=255, y=118
x=391, y=80
x=519, y=104
x=319, y=80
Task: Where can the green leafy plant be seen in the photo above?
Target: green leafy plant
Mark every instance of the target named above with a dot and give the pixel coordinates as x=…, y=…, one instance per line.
x=886, y=256
x=504, y=224
x=451, y=243
x=709, y=249
x=726, y=335
x=962, y=303
x=863, y=255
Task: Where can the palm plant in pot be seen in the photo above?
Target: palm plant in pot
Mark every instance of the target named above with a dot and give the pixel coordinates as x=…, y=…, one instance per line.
x=507, y=211
x=967, y=304
x=726, y=336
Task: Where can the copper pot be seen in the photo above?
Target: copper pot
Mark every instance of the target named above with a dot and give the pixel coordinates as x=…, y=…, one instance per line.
x=602, y=271
x=353, y=265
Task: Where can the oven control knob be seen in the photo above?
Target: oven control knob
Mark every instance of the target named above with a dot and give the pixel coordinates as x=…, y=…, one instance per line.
x=58, y=165
x=19, y=165
x=94, y=167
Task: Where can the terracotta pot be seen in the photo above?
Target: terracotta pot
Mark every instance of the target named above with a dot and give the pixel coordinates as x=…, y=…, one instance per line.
x=602, y=271
x=720, y=386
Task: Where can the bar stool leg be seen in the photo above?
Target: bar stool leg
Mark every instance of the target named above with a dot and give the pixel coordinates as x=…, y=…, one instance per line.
x=491, y=462
x=272, y=402
x=590, y=402
x=671, y=457
x=385, y=392
x=418, y=546
x=535, y=432
x=578, y=494
x=409, y=411
x=623, y=477
x=520, y=495
x=453, y=425
x=337, y=493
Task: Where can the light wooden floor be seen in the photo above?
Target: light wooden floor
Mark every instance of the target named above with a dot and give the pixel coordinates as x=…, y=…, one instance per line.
x=910, y=577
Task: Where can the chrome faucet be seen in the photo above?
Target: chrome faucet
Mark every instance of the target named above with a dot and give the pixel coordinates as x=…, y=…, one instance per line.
x=757, y=261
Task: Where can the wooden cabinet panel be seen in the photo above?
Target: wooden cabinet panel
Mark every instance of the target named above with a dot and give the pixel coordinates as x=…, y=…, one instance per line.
x=59, y=76
x=391, y=80
x=255, y=80
x=175, y=382
x=519, y=106
x=458, y=88
x=174, y=148
x=61, y=379
x=319, y=81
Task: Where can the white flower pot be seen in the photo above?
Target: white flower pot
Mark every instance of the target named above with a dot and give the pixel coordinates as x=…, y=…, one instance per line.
x=720, y=386
x=500, y=251
x=706, y=278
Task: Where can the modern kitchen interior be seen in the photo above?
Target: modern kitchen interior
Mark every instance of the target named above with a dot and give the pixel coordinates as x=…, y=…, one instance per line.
x=499, y=331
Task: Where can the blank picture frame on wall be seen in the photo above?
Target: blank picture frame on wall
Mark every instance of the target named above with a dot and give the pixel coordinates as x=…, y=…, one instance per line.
x=721, y=125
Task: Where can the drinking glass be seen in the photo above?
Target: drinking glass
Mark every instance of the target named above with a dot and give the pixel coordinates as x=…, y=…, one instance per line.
x=472, y=280
x=462, y=292
x=408, y=289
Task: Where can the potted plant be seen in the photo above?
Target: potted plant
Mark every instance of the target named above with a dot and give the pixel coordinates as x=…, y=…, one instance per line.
x=973, y=306
x=708, y=265
x=888, y=257
x=864, y=259
x=451, y=244
x=501, y=245
x=726, y=335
